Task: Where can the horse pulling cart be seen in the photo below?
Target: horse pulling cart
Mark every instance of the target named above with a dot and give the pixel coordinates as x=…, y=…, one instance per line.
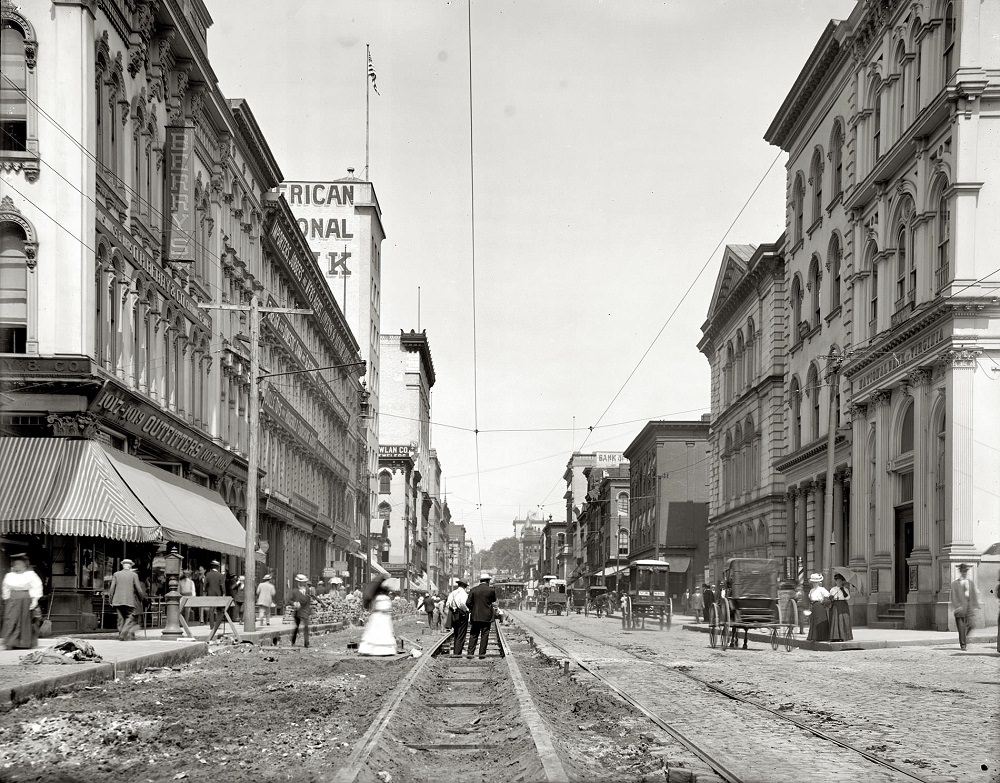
x=647, y=592
x=748, y=601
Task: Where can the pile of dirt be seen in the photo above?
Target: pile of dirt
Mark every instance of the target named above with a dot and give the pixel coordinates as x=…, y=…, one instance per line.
x=240, y=713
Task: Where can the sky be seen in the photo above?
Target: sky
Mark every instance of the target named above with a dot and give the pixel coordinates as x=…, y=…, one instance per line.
x=554, y=230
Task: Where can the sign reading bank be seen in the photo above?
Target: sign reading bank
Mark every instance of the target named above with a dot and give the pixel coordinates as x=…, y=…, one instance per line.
x=325, y=214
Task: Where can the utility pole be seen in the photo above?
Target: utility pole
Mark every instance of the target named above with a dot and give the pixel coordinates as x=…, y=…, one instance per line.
x=833, y=371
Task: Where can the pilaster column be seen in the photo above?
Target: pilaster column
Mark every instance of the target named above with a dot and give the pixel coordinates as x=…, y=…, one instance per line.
x=859, y=474
x=836, y=551
x=923, y=480
x=959, y=439
x=820, y=534
x=800, y=527
x=790, y=522
x=884, y=519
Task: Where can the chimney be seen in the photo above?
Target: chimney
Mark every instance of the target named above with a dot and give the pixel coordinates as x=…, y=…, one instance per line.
x=350, y=171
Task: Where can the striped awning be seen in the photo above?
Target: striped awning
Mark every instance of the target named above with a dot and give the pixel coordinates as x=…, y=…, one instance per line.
x=59, y=486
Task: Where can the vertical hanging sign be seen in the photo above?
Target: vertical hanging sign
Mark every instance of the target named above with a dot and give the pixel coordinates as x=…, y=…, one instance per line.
x=180, y=192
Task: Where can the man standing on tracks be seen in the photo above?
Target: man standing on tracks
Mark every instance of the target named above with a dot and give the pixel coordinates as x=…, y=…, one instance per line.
x=215, y=587
x=459, y=615
x=480, y=603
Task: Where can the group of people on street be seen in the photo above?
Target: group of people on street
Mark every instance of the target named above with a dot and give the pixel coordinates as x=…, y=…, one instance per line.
x=830, y=611
x=472, y=612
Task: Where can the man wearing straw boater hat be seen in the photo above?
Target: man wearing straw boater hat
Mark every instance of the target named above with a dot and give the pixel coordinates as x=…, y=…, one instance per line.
x=301, y=603
x=964, y=601
x=126, y=595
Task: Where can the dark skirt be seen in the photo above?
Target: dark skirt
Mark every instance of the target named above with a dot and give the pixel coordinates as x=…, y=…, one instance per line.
x=819, y=623
x=840, y=622
x=19, y=629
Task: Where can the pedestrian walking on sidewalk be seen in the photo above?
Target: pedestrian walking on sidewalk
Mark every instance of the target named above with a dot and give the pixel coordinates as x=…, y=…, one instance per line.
x=840, y=611
x=265, y=599
x=301, y=602
x=707, y=602
x=185, y=586
x=456, y=604
x=378, y=639
x=215, y=587
x=626, y=606
x=126, y=595
x=964, y=601
x=480, y=602
x=239, y=597
x=22, y=589
x=819, y=605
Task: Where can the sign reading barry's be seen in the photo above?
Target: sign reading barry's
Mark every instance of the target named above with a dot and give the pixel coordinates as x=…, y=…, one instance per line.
x=179, y=159
x=325, y=214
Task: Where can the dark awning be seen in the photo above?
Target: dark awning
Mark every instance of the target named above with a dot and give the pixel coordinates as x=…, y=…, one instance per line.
x=60, y=486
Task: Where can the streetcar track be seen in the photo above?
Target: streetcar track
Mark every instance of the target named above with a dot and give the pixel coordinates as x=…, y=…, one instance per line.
x=504, y=710
x=708, y=757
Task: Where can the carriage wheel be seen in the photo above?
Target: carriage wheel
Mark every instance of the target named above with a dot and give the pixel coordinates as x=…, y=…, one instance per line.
x=788, y=639
x=725, y=625
x=774, y=638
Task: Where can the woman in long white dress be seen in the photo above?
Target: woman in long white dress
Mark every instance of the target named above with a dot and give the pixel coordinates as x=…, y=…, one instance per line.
x=378, y=637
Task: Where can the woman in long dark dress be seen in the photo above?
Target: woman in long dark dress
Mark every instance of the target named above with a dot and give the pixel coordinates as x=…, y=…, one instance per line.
x=21, y=592
x=819, y=617
x=840, y=611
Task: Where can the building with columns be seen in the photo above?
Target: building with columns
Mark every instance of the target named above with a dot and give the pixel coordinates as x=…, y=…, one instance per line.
x=891, y=130
x=744, y=342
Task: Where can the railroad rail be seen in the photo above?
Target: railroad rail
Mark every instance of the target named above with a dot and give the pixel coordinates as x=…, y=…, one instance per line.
x=739, y=724
x=475, y=712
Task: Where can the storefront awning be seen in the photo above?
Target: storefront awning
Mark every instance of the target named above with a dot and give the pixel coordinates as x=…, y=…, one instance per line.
x=378, y=569
x=59, y=486
x=189, y=514
x=610, y=570
x=679, y=564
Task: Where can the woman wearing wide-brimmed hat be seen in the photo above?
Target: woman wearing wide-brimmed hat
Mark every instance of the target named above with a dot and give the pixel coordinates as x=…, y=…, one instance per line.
x=22, y=589
x=819, y=603
x=840, y=610
x=379, y=637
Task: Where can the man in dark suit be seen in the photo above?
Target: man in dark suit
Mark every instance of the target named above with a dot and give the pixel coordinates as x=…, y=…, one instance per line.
x=215, y=586
x=301, y=602
x=126, y=595
x=480, y=602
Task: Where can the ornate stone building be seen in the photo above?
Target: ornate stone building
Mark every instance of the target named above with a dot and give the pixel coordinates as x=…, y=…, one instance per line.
x=891, y=131
x=744, y=342
x=135, y=204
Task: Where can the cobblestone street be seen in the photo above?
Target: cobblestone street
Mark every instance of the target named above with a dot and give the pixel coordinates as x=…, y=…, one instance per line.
x=903, y=705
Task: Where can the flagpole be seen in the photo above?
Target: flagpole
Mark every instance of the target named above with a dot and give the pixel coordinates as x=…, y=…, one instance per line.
x=368, y=89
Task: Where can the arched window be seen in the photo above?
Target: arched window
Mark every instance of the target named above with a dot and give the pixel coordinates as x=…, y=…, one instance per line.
x=384, y=482
x=728, y=373
x=949, y=43
x=816, y=175
x=835, y=273
x=837, y=158
x=812, y=386
x=13, y=88
x=740, y=362
x=875, y=102
x=14, y=274
x=727, y=456
x=815, y=283
x=751, y=350
x=796, y=309
x=901, y=95
x=738, y=460
x=918, y=61
x=623, y=504
x=906, y=431
x=795, y=400
x=906, y=269
x=798, y=206
x=942, y=271
x=872, y=265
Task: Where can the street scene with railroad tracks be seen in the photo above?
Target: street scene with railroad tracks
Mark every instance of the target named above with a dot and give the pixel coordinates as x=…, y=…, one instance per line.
x=567, y=697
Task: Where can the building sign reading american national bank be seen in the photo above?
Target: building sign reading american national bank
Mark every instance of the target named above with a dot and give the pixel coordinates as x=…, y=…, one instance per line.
x=142, y=419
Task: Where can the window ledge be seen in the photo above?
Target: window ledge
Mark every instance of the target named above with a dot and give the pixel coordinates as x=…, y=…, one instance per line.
x=27, y=162
x=833, y=313
x=796, y=246
x=817, y=224
x=836, y=200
